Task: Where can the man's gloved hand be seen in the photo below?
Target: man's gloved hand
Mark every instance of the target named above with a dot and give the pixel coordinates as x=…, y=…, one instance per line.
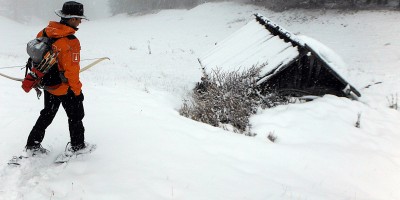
x=80, y=97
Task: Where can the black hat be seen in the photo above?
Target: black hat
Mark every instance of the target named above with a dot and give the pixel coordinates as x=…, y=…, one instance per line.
x=71, y=9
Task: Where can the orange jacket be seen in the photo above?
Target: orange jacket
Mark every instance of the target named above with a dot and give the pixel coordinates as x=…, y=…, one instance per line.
x=68, y=57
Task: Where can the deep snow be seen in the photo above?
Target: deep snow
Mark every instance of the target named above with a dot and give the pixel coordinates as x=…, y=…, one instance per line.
x=147, y=151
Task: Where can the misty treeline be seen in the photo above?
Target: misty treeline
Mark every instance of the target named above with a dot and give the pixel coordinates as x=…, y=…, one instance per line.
x=281, y=5
x=25, y=10
x=136, y=6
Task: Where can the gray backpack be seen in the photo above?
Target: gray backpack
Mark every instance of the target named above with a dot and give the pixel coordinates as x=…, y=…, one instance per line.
x=40, y=64
x=38, y=47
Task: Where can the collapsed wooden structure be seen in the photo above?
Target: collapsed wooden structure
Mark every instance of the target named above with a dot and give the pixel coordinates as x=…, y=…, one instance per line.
x=291, y=65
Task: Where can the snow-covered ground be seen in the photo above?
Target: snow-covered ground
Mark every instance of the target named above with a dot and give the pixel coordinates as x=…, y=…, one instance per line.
x=146, y=150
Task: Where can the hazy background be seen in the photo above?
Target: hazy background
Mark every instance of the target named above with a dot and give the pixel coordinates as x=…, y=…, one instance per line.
x=29, y=10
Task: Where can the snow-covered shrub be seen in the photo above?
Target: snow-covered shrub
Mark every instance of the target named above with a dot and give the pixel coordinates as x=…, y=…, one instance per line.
x=272, y=137
x=392, y=100
x=227, y=98
x=358, y=122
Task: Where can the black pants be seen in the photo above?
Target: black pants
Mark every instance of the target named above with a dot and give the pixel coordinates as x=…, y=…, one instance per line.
x=73, y=106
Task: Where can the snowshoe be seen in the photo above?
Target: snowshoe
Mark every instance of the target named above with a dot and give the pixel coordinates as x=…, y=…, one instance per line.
x=75, y=151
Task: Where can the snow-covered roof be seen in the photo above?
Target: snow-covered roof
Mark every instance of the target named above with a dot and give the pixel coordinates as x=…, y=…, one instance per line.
x=251, y=45
x=263, y=43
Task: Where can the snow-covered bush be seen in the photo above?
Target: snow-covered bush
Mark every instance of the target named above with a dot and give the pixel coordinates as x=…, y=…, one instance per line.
x=272, y=137
x=358, y=122
x=227, y=98
x=392, y=100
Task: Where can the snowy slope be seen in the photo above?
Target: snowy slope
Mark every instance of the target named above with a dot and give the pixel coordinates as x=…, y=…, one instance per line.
x=147, y=151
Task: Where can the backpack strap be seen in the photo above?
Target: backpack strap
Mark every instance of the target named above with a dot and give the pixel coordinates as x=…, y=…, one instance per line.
x=28, y=66
x=71, y=37
x=44, y=33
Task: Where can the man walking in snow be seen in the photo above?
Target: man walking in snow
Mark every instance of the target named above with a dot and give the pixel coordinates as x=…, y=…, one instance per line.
x=66, y=89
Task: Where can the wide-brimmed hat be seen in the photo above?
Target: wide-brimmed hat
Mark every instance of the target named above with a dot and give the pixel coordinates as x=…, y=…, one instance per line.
x=71, y=9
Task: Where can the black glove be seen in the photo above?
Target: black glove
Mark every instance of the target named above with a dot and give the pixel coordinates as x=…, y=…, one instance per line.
x=80, y=97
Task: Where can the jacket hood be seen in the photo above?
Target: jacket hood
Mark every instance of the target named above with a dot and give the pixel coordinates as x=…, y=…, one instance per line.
x=58, y=30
